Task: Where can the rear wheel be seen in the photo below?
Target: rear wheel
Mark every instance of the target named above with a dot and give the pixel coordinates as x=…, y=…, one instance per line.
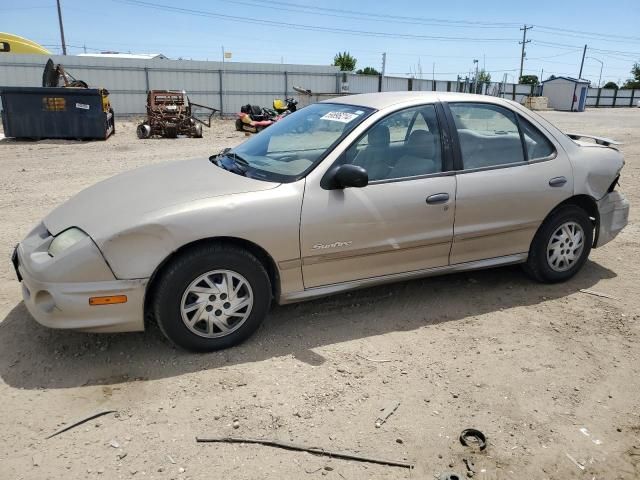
x=561, y=246
x=212, y=297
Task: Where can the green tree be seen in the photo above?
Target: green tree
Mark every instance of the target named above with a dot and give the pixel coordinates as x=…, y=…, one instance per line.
x=483, y=77
x=529, y=80
x=635, y=81
x=368, y=71
x=613, y=85
x=345, y=61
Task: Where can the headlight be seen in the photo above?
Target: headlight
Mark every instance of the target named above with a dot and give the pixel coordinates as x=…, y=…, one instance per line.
x=65, y=240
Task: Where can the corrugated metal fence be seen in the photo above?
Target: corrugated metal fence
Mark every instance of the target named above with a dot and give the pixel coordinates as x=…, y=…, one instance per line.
x=228, y=86
x=609, y=97
x=225, y=86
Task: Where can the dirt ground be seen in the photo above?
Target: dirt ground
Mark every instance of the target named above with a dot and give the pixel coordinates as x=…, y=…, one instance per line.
x=548, y=373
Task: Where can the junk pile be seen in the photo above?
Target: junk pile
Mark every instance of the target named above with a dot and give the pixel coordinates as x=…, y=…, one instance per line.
x=63, y=107
x=170, y=113
x=254, y=118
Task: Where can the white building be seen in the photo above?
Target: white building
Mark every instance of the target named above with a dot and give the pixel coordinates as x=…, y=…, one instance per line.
x=137, y=56
x=566, y=93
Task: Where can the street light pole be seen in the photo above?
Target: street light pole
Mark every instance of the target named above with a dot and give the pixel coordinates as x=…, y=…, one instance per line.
x=601, y=65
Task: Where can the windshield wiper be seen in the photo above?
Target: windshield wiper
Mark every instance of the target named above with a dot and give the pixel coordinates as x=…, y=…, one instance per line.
x=237, y=165
x=238, y=160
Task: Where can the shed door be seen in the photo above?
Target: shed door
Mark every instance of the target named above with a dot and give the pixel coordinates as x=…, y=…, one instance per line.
x=583, y=99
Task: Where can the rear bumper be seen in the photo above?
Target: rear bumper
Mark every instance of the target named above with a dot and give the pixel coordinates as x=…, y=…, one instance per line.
x=614, y=216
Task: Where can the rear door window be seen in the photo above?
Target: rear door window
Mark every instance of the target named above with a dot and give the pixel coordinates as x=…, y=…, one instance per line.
x=488, y=135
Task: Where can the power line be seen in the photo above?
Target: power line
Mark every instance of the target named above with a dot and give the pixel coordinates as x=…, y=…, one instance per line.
x=591, y=34
x=603, y=38
x=602, y=50
x=340, y=13
x=386, y=17
x=343, y=31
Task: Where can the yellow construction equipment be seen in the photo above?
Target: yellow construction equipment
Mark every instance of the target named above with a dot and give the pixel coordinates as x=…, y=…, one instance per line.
x=10, y=43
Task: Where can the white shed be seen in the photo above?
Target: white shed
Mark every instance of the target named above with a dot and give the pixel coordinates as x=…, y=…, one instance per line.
x=566, y=93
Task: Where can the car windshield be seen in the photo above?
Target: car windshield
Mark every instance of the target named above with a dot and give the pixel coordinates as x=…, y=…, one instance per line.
x=290, y=148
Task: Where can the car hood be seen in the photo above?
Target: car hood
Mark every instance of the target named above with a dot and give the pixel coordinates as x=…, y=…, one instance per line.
x=123, y=200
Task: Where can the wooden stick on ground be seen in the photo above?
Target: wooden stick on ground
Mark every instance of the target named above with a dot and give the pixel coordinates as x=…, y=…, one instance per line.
x=302, y=448
x=79, y=422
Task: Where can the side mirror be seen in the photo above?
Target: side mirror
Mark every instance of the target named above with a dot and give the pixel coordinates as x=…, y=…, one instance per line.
x=345, y=176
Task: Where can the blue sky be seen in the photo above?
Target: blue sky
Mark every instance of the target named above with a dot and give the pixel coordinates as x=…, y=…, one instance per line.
x=415, y=35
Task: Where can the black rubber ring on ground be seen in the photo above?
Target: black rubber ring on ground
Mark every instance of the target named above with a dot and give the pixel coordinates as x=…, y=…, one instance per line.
x=481, y=440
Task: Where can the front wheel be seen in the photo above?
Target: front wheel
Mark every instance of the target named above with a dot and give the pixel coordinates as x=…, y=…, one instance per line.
x=561, y=246
x=143, y=131
x=212, y=297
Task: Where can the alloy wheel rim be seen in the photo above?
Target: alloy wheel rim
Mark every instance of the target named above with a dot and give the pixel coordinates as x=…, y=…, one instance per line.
x=565, y=246
x=216, y=303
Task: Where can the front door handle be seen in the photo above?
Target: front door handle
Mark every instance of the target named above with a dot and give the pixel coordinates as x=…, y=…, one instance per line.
x=438, y=198
x=557, y=181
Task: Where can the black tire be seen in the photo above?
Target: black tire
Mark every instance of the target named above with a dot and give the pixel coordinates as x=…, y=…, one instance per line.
x=184, y=269
x=143, y=131
x=537, y=265
x=171, y=132
x=239, y=125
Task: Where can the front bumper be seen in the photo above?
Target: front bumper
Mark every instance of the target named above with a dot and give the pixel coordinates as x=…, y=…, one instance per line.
x=614, y=216
x=56, y=291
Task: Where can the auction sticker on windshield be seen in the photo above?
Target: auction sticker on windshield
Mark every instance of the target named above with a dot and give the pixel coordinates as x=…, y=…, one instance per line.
x=344, y=117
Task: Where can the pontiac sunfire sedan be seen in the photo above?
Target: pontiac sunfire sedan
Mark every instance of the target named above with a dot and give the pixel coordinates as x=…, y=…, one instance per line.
x=346, y=193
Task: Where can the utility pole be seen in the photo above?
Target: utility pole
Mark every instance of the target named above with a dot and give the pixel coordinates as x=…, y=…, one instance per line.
x=64, y=45
x=584, y=53
x=384, y=67
x=523, y=43
x=475, y=79
x=575, y=85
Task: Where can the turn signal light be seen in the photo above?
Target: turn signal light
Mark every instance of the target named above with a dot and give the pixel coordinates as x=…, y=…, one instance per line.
x=110, y=300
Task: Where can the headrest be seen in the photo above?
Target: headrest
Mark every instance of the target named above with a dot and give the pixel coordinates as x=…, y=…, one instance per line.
x=379, y=136
x=421, y=144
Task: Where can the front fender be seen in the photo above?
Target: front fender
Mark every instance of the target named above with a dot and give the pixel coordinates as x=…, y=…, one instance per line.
x=269, y=219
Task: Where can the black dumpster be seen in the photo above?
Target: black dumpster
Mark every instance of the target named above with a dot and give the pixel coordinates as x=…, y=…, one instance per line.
x=74, y=113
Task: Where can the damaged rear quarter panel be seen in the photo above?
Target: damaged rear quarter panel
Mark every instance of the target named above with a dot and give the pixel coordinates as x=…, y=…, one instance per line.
x=594, y=169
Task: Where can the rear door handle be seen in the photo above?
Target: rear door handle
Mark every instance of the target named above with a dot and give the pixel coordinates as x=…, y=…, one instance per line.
x=557, y=181
x=438, y=198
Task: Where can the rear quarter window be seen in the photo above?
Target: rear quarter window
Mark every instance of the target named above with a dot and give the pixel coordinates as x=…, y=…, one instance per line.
x=537, y=144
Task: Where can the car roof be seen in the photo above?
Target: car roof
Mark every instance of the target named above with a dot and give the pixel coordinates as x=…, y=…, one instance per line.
x=382, y=100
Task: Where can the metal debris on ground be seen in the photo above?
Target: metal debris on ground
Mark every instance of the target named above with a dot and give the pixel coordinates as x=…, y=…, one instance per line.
x=80, y=422
x=471, y=436
x=597, y=294
x=302, y=448
x=381, y=360
x=575, y=462
x=386, y=413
